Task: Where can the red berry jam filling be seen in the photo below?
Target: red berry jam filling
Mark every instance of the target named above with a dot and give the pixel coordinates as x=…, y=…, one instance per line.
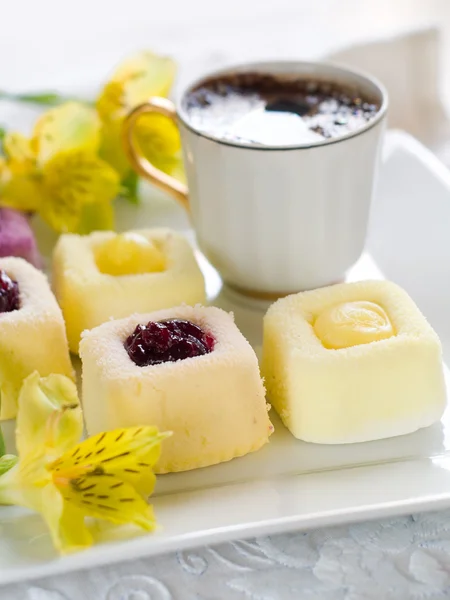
x=9, y=293
x=167, y=341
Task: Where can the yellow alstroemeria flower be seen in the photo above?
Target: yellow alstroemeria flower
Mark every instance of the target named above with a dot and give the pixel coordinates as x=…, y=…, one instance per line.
x=136, y=80
x=59, y=173
x=160, y=143
x=75, y=180
x=108, y=476
x=70, y=126
x=20, y=182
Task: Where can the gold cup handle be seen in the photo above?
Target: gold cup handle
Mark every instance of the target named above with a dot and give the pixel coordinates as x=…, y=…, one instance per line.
x=139, y=163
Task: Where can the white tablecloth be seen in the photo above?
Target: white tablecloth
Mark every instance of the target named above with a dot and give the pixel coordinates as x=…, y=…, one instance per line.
x=398, y=559
x=401, y=558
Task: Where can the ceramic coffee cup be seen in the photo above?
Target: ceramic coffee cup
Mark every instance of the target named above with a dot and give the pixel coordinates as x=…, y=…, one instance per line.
x=275, y=219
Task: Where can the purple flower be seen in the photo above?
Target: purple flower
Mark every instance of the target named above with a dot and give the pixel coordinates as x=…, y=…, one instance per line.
x=17, y=237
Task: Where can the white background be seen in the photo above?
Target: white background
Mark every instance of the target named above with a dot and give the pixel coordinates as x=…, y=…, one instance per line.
x=48, y=43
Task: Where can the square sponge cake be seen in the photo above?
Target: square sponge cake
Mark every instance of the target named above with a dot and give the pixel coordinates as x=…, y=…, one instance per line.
x=214, y=403
x=33, y=337
x=103, y=275
x=351, y=363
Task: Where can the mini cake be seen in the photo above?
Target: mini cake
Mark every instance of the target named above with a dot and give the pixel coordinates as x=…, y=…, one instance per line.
x=351, y=363
x=107, y=275
x=32, y=333
x=188, y=370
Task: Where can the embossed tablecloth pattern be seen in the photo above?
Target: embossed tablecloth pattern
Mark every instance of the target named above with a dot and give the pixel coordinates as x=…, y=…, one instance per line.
x=402, y=558
x=407, y=557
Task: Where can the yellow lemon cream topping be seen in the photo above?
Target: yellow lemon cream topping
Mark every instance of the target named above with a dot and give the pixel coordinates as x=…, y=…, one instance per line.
x=351, y=324
x=129, y=254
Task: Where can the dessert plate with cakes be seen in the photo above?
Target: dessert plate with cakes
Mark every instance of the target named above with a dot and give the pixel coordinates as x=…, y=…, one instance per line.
x=303, y=385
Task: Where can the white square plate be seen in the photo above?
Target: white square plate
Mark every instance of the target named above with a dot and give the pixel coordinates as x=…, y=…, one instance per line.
x=290, y=484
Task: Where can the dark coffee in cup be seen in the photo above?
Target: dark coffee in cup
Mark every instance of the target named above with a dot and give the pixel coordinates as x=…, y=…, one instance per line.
x=260, y=109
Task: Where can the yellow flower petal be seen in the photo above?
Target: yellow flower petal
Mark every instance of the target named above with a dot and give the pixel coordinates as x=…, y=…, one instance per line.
x=69, y=126
x=21, y=189
x=172, y=165
x=137, y=78
x=111, y=102
x=49, y=414
x=65, y=521
x=125, y=453
x=177, y=168
x=107, y=497
x=111, y=149
x=21, y=186
x=157, y=135
x=150, y=75
x=30, y=485
x=62, y=214
x=23, y=484
x=18, y=148
x=82, y=177
x=73, y=180
x=108, y=476
x=146, y=64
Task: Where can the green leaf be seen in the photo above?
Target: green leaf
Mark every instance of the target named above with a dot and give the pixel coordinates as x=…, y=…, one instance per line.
x=2, y=137
x=43, y=99
x=2, y=443
x=7, y=462
x=46, y=98
x=129, y=187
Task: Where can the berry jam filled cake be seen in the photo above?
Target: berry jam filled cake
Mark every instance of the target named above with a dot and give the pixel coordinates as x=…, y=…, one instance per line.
x=188, y=370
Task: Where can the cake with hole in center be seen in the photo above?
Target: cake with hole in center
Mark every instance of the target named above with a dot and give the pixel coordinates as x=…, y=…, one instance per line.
x=108, y=275
x=32, y=332
x=351, y=363
x=188, y=370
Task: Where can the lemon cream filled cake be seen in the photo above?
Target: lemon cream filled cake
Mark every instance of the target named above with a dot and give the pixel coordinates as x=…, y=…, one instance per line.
x=351, y=363
x=107, y=275
x=188, y=370
x=32, y=333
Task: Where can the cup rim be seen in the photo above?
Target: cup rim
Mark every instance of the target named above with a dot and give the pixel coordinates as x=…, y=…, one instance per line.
x=289, y=66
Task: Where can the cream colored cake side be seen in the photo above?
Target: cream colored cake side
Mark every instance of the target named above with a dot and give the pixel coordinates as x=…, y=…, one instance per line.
x=89, y=297
x=73, y=271
x=360, y=393
x=275, y=368
x=214, y=404
x=31, y=338
x=392, y=392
